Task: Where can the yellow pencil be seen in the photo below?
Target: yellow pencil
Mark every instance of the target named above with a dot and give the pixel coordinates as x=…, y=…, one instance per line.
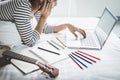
x=57, y=44
x=61, y=42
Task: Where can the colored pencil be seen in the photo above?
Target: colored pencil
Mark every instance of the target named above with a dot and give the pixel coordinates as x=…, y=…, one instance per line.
x=89, y=55
x=86, y=57
x=48, y=50
x=82, y=58
x=79, y=61
x=75, y=61
x=61, y=42
x=57, y=44
x=53, y=45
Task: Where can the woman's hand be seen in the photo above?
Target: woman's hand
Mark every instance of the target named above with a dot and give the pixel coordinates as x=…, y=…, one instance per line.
x=46, y=9
x=72, y=29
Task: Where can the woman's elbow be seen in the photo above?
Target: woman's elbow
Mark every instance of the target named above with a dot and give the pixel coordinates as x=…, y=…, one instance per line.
x=30, y=44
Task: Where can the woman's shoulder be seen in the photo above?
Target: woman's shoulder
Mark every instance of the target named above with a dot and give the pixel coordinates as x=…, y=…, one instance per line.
x=22, y=2
x=15, y=2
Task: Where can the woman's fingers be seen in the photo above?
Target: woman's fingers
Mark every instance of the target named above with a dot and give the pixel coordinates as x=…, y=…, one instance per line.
x=44, y=5
x=49, y=7
x=46, y=9
x=82, y=32
x=75, y=35
x=74, y=29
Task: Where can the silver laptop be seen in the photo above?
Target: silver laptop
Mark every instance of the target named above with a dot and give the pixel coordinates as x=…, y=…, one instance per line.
x=95, y=39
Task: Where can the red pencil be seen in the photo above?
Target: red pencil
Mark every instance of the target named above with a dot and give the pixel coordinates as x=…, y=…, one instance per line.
x=75, y=61
x=89, y=55
x=85, y=57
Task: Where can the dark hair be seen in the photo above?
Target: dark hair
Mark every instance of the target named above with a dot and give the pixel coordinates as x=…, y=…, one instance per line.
x=34, y=2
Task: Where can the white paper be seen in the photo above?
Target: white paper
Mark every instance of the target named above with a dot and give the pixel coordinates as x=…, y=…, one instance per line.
x=40, y=55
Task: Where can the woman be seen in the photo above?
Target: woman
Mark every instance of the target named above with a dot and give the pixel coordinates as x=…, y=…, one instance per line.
x=20, y=12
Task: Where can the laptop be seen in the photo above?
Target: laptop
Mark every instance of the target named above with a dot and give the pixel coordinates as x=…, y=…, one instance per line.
x=95, y=39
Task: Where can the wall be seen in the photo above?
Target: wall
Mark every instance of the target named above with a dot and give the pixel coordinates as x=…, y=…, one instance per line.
x=84, y=8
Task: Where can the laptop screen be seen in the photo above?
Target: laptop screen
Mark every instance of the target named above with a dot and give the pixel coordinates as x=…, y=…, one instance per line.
x=105, y=26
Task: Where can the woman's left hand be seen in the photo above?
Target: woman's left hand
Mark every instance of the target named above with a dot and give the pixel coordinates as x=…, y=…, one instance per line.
x=74, y=29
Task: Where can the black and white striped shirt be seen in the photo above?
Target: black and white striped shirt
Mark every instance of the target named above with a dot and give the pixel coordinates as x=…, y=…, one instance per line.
x=19, y=12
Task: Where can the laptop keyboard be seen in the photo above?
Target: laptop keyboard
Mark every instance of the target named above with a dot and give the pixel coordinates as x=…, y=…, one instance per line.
x=88, y=41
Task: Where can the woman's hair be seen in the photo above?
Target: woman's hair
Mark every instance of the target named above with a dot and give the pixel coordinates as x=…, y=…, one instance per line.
x=34, y=3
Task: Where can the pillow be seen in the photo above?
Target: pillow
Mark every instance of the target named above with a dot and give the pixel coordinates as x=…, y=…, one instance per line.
x=8, y=34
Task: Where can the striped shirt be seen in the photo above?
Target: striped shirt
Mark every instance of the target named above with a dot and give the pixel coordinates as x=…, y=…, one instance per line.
x=19, y=12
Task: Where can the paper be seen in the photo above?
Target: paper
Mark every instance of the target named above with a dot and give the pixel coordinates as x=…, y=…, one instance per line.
x=51, y=58
x=25, y=67
x=40, y=55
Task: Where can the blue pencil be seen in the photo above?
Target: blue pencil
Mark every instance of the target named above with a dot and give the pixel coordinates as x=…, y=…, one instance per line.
x=79, y=61
x=86, y=57
x=75, y=61
x=82, y=58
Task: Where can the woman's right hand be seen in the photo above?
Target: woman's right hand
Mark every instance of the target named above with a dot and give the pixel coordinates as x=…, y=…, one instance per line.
x=46, y=9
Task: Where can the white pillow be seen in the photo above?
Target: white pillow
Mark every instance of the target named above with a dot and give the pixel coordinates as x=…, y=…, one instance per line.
x=9, y=34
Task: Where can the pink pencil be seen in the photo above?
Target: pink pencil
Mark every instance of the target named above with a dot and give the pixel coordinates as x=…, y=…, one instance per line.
x=89, y=55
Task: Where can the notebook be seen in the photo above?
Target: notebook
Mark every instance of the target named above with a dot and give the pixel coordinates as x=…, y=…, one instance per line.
x=95, y=39
x=41, y=55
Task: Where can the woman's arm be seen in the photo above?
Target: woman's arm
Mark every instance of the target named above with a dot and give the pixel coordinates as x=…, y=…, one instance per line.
x=72, y=29
x=22, y=16
x=45, y=12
